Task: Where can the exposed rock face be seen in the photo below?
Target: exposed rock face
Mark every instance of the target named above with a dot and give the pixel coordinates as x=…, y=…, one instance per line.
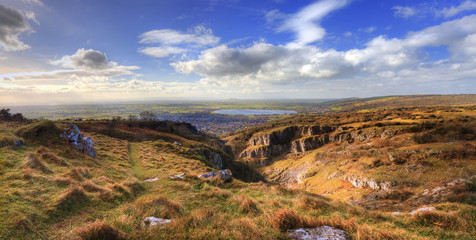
x=282, y=141
x=319, y=233
x=78, y=140
x=214, y=158
x=224, y=175
x=299, y=139
x=366, y=182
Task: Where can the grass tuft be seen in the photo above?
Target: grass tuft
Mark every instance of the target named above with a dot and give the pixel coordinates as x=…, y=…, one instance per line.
x=246, y=204
x=285, y=219
x=71, y=198
x=99, y=230
x=32, y=161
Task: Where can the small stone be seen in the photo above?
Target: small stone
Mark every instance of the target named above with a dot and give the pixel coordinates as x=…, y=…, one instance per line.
x=319, y=233
x=423, y=209
x=153, y=221
x=224, y=175
x=178, y=176
x=151, y=179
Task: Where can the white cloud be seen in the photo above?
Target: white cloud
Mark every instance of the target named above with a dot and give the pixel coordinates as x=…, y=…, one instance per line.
x=161, y=52
x=454, y=10
x=174, y=42
x=267, y=66
x=12, y=24
x=37, y=2
x=404, y=12
x=305, y=23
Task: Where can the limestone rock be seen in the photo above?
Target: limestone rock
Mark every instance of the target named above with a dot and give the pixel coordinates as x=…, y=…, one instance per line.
x=319, y=233
x=423, y=209
x=224, y=175
x=153, y=221
x=364, y=182
x=178, y=176
x=152, y=179
x=78, y=140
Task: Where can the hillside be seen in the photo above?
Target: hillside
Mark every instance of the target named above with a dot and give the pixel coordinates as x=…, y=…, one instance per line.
x=391, y=160
x=51, y=190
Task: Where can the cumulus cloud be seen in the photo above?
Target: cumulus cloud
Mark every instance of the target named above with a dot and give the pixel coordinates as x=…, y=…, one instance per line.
x=264, y=64
x=173, y=42
x=305, y=23
x=84, y=59
x=454, y=10
x=12, y=24
x=404, y=12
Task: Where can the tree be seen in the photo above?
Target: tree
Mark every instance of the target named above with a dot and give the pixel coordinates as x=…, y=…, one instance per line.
x=132, y=118
x=147, y=115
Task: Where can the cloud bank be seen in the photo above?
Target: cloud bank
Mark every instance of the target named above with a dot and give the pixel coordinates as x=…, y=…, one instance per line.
x=12, y=24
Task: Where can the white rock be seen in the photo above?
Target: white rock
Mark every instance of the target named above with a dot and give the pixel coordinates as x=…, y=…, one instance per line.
x=153, y=221
x=151, y=179
x=319, y=233
x=423, y=209
x=178, y=176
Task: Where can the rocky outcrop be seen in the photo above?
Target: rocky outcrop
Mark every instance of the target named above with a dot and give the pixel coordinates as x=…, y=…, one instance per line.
x=224, y=175
x=366, y=182
x=78, y=140
x=283, y=140
x=211, y=156
x=300, y=139
x=319, y=233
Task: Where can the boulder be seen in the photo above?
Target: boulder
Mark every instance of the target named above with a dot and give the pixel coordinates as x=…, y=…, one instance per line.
x=319, y=233
x=153, y=221
x=78, y=140
x=224, y=175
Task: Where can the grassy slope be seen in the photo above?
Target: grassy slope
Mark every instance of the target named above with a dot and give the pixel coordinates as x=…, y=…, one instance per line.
x=39, y=205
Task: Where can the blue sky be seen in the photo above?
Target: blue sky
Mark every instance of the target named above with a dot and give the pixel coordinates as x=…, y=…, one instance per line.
x=89, y=51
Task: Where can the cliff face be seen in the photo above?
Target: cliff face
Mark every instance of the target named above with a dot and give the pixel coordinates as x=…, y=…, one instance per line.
x=299, y=139
x=284, y=141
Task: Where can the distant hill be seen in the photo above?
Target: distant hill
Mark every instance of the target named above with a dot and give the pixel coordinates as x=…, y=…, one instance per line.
x=385, y=102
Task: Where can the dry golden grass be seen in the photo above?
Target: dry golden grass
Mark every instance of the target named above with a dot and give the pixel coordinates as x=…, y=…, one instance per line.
x=246, y=204
x=99, y=230
x=158, y=206
x=50, y=157
x=32, y=161
x=90, y=186
x=447, y=220
x=79, y=173
x=70, y=198
x=285, y=219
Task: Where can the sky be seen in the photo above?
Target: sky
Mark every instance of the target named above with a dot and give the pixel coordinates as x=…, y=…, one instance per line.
x=89, y=51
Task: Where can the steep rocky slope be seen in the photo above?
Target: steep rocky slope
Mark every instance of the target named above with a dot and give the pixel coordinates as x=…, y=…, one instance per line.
x=392, y=159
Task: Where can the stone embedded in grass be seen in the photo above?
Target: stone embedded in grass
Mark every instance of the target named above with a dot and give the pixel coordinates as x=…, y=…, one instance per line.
x=319, y=233
x=423, y=209
x=224, y=175
x=153, y=221
x=78, y=140
x=151, y=179
x=178, y=176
